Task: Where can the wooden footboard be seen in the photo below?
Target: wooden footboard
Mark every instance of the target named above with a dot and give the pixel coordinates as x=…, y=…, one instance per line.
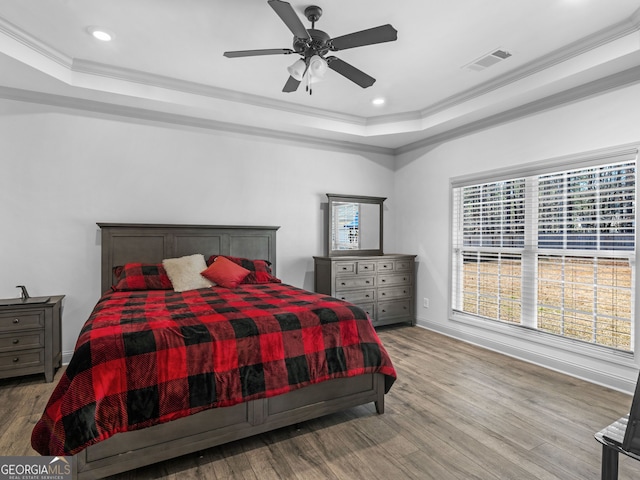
x=130, y=450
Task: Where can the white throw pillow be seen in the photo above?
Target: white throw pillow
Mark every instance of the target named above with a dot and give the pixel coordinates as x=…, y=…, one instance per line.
x=184, y=272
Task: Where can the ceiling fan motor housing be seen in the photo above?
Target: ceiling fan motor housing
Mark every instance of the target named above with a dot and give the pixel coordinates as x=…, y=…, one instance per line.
x=318, y=45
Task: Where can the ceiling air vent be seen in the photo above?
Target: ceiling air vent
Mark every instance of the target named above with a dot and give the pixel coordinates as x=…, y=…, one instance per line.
x=487, y=60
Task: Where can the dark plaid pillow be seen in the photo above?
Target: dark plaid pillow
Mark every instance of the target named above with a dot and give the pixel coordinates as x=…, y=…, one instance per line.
x=259, y=270
x=141, y=276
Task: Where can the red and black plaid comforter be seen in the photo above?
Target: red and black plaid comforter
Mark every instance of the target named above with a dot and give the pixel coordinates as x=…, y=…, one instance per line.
x=149, y=357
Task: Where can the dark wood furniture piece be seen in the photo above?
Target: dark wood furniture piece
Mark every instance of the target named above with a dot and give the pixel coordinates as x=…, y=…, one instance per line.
x=31, y=338
x=622, y=436
x=382, y=285
x=122, y=243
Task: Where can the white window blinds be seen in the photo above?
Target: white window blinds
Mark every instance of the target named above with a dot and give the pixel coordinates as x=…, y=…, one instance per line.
x=552, y=251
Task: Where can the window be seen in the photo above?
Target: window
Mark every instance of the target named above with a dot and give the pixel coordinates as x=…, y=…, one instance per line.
x=345, y=229
x=550, y=250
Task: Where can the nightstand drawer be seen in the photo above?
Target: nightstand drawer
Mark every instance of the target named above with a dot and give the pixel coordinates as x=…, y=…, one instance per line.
x=355, y=282
x=22, y=341
x=22, y=359
x=21, y=320
x=357, y=296
x=394, y=280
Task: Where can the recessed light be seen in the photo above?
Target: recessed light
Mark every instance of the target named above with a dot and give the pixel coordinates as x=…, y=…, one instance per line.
x=100, y=33
x=378, y=101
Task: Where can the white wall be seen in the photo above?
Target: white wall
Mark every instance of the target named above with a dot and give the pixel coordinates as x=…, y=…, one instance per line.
x=423, y=215
x=62, y=171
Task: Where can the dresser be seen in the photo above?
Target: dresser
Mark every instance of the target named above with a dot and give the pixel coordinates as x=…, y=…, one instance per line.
x=31, y=338
x=382, y=285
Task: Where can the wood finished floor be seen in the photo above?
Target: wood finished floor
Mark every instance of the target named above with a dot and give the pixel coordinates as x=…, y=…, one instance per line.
x=456, y=412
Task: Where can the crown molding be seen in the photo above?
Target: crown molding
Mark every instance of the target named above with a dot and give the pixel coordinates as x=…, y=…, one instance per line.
x=16, y=33
x=612, y=82
x=183, y=86
x=136, y=113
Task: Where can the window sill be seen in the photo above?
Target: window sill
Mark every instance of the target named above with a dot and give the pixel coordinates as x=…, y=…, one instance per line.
x=548, y=340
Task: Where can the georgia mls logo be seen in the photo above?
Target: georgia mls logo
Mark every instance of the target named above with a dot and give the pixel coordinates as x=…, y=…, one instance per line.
x=35, y=468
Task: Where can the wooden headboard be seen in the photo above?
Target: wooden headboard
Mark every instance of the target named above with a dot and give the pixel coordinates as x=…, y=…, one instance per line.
x=151, y=243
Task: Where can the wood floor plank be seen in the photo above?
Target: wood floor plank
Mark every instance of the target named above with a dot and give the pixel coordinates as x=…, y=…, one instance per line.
x=456, y=412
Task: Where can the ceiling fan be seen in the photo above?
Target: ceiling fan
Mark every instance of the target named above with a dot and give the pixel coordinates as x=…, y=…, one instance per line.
x=312, y=45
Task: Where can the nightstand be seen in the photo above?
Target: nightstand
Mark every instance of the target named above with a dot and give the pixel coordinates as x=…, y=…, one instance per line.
x=31, y=338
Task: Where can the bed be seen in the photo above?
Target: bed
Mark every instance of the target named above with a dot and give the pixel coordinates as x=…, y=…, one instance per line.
x=235, y=410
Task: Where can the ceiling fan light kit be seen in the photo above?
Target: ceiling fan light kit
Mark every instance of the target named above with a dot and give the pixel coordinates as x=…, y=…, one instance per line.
x=313, y=45
x=317, y=66
x=297, y=69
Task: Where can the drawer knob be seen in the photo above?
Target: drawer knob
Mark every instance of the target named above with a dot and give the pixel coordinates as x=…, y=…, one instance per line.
x=384, y=311
x=367, y=282
x=344, y=268
x=16, y=341
x=343, y=284
x=383, y=280
x=343, y=298
x=16, y=320
x=366, y=267
x=16, y=359
x=383, y=293
x=367, y=295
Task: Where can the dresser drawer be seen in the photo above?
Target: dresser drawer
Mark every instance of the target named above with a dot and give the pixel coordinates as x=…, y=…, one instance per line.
x=404, y=265
x=22, y=340
x=22, y=359
x=345, y=268
x=386, y=266
x=21, y=320
x=385, y=280
x=366, y=267
x=389, y=293
x=360, y=281
x=394, y=309
x=369, y=309
x=357, y=296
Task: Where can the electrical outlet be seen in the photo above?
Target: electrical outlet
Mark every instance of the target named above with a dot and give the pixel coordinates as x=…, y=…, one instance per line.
x=425, y=302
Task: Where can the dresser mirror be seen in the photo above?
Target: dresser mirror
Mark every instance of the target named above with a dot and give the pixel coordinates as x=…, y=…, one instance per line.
x=355, y=225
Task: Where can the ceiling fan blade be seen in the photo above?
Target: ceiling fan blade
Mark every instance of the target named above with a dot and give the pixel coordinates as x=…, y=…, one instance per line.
x=288, y=15
x=291, y=85
x=381, y=34
x=253, y=53
x=350, y=72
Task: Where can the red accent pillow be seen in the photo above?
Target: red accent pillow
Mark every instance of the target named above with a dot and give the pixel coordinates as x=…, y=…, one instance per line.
x=225, y=273
x=259, y=270
x=141, y=276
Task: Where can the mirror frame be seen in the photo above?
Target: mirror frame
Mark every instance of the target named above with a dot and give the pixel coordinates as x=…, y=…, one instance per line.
x=335, y=198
